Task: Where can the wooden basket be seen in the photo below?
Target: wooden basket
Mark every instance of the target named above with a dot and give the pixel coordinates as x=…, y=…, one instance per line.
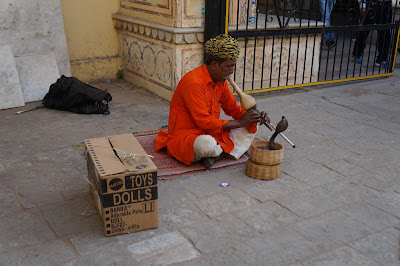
x=264, y=172
x=265, y=157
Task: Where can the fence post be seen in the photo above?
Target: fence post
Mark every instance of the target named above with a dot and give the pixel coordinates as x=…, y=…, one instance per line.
x=214, y=18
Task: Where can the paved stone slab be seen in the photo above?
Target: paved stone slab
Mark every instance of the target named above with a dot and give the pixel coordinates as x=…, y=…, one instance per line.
x=57, y=157
x=56, y=253
x=360, y=145
x=276, y=248
x=336, y=128
x=392, y=143
x=36, y=73
x=173, y=192
x=66, y=217
x=326, y=152
x=10, y=87
x=370, y=216
x=208, y=184
x=292, y=184
x=226, y=202
x=218, y=234
x=164, y=249
x=8, y=202
x=383, y=179
x=388, y=202
x=92, y=241
x=300, y=130
x=161, y=229
x=348, y=191
x=309, y=172
x=267, y=190
x=349, y=117
x=331, y=229
x=382, y=247
x=34, y=189
x=53, y=166
x=268, y=217
x=302, y=136
x=373, y=109
x=107, y=256
x=62, y=137
x=22, y=229
x=236, y=177
x=40, y=31
x=181, y=215
x=341, y=256
x=384, y=123
x=343, y=167
x=220, y=258
x=380, y=135
x=68, y=181
x=273, y=189
x=17, y=172
x=375, y=160
x=309, y=203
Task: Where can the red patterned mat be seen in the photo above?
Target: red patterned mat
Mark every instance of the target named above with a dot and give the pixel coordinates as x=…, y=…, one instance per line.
x=169, y=167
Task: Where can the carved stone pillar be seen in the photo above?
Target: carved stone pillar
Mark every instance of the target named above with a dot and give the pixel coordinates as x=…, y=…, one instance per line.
x=160, y=41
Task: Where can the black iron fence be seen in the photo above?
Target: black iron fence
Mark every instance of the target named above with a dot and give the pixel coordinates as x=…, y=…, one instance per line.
x=292, y=43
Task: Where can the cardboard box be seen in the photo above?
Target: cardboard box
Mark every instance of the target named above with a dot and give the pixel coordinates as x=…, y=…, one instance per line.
x=123, y=183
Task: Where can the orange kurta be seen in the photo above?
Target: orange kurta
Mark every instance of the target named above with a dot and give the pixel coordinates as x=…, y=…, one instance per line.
x=195, y=110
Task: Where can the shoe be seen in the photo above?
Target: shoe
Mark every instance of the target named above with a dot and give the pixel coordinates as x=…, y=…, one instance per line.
x=357, y=59
x=330, y=44
x=383, y=63
x=208, y=161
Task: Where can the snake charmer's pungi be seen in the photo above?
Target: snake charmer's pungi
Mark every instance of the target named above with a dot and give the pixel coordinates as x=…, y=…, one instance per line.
x=195, y=130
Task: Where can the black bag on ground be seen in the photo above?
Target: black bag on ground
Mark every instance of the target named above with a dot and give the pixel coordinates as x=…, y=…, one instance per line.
x=71, y=94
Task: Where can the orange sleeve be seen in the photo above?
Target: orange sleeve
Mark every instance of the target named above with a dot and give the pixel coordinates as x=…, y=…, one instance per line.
x=195, y=96
x=231, y=108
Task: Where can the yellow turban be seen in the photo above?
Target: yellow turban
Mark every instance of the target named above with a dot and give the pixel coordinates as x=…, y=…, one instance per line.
x=223, y=46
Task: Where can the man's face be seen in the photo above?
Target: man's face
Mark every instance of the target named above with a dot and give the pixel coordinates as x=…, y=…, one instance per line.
x=222, y=71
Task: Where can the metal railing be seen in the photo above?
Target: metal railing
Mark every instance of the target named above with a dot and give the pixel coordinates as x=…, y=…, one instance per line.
x=285, y=47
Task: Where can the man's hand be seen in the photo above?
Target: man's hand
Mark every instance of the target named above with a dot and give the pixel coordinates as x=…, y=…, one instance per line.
x=249, y=117
x=264, y=117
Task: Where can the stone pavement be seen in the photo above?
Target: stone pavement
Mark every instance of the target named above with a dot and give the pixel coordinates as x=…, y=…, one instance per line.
x=336, y=203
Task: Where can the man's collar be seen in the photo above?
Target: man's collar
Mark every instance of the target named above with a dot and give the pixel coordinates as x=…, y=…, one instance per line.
x=207, y=78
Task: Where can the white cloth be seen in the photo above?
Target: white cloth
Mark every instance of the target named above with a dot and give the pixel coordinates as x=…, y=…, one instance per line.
x=207, y=146
x=242, y=140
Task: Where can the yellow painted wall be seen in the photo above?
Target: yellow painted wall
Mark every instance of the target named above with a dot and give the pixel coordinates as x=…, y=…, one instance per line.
x=91, y=38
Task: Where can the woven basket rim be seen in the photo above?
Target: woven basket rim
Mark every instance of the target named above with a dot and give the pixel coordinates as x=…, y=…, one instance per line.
x=265, y=157
x=265, y=143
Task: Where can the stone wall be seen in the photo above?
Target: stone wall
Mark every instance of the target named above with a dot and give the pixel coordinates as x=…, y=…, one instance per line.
x=157, y=56
x=172, y=13
x=34, y=27
x=31, y=35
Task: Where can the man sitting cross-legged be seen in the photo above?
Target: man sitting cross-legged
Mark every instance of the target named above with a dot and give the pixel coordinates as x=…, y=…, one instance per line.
x=195, y=130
